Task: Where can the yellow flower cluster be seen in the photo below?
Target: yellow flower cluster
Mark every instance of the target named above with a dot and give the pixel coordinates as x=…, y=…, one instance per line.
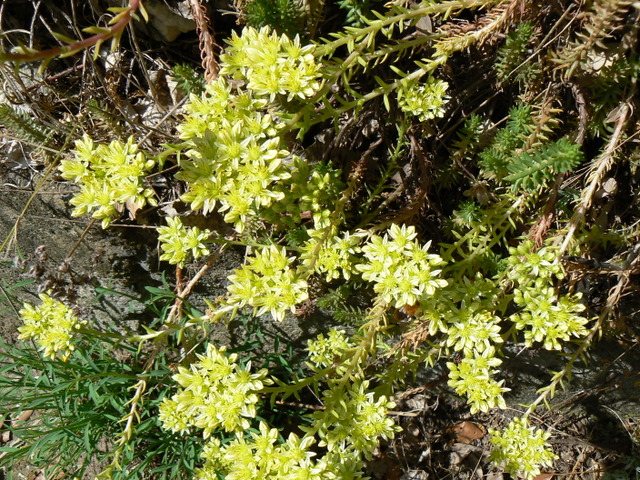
x=236, y=156
x=51, y=325
x=347, y=430
x=236, y=159
x=111, y=177
x=424, y=101
x=473, y=377
x=521, y=449
x=335, y=258
x=272, y=64
x=268, y=283
x=217, y=393
x=402, y=270
x=545, y=315
x=179, y=243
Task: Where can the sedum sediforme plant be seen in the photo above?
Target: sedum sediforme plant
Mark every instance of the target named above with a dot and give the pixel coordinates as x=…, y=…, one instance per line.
x=268, y=283
x=51, y=325
x=110, y=177
x=545, y=316
x=401, y=270
x=521, y=448
x=494, y=280
x=235, y=162
x=425, y=101
x=272, y=64
x=218, y=394
x=236, y=157
x=180, y=243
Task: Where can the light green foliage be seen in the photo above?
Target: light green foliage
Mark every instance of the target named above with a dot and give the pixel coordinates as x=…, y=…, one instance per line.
x=216, y=393
x=260, y=456
x=469, y=318
x=532, y=170
x=268, y=283
x=110, y=177
x=529, y=266
x=402, y=270
x=237, y=162
x=425, y=101
x=473, y=331
x=324, y=351
x=521, y=449
x=180, y=243
x=352, y=420
x=220, y=107
x=513, y=64
x=283, y=16
x=51, y=325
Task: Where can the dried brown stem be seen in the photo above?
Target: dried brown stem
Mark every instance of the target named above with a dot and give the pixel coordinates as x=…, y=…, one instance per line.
x=208, y=43
x=184, y=292
x=599, y=169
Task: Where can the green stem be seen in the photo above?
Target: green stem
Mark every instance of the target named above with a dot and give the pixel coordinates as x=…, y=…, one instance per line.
x=300, y=384
x=90, y=332
x=445, y=8
x=501, y=226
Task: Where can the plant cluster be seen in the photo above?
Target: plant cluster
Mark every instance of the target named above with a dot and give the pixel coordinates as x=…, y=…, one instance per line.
x=111, y=177
x=401, y=270
x=495, y=278
x=522, y=448
x=216, y=393
x=268, y=283
x=425, y=101
x=180, y=243
x=81, y=404
x=51, y=325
